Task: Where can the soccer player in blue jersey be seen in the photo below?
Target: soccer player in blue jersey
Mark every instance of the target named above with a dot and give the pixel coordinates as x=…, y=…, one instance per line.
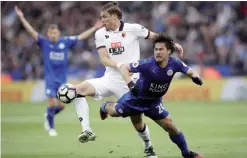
x=145, y=96
x=55, y=52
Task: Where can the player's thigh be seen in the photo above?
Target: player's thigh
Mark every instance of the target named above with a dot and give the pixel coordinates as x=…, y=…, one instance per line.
x=85, y=88
x=98, y=88
x=51, y=91
x=52, y=101
x=157, y=112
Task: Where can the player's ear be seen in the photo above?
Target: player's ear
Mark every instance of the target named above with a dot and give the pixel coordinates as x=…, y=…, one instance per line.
x=169, y=52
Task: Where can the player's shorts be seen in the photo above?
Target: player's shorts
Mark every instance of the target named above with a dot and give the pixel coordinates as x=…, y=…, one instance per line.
x=132, y=106
x=51, y=88
x=108, y=86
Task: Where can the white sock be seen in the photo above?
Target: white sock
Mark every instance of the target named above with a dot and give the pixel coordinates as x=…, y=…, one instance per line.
x=82, y=111
x=145, y=136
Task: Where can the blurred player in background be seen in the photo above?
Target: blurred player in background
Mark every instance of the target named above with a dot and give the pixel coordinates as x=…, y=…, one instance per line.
x=116, y=42
x=145, y=96
x=55, y=52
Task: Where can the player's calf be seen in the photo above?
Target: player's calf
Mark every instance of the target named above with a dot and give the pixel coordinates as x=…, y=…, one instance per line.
x=176, y=137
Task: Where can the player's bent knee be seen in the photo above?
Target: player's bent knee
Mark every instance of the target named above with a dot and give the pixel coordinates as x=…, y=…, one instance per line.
x=139, y=126
x=85, y=89
x=52, y=102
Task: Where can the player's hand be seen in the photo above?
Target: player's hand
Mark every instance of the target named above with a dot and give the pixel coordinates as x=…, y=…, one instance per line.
x=179, y=49
x=197, y=80
x=98, y=24
x=133, y=88
x=18, y=11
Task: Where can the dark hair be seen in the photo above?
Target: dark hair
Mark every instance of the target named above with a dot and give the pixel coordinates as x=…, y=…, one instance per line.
x=162, y=38
x=53, y=26
x=112, y=8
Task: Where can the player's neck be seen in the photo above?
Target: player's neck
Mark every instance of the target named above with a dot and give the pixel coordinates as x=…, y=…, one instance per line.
x=163, y=63
x=115, y=26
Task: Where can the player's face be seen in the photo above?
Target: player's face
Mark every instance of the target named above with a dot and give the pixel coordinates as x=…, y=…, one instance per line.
x=107, y=19
x=160, y=52
x=53, y=34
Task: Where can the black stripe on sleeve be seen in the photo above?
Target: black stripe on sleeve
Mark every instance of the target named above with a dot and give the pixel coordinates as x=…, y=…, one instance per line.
x=148, y=34
x=100, y=47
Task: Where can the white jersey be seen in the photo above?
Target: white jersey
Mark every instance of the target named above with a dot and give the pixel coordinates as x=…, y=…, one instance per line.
x=122, y=45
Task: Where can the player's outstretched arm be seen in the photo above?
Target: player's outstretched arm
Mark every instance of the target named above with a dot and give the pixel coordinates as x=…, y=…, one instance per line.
x=195, y=77
x=125, y=72
x=178, y=47
x=84, y=35
x=104, y=58
x=26, y=24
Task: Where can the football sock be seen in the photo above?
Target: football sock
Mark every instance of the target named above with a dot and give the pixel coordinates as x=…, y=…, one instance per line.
x=181, y=143
x=57, y=109
x=145, y=136
x=50, y=116
x=82, y=111
x=103, y=106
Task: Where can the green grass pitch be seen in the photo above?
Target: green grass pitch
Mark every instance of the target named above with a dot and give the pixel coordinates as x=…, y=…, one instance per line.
x=215, y=129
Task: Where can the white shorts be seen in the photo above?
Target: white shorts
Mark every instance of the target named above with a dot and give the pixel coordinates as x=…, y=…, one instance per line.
x=108, y=86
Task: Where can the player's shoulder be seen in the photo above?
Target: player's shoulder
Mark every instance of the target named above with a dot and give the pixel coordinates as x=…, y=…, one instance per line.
x=177, y=62
x=147, y=61
x=131, y=26
x=174, y=59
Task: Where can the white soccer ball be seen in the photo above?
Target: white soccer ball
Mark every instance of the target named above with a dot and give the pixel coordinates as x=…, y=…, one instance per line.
x=66, y=93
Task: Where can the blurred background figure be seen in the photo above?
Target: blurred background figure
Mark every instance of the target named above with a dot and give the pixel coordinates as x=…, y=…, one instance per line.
x=213, y=35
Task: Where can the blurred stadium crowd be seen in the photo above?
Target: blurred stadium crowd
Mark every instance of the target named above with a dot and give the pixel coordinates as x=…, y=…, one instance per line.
x=211, y=33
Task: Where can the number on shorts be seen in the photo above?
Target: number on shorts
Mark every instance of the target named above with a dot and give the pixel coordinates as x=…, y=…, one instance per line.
x=160, y=108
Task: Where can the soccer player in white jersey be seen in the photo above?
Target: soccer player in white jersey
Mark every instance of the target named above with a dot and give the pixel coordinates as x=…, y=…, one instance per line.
x=117, y=42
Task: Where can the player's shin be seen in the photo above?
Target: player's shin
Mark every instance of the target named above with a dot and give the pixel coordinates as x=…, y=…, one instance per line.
x=180, y=140
x=82, y=111
x=50, y=116
x=144, y=134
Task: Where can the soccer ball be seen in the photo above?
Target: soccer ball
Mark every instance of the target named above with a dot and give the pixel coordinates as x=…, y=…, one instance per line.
x=66, y=93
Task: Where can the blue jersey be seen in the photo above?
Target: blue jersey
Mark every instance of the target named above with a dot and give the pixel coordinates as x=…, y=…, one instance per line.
x=154, y=81
x=56, y=57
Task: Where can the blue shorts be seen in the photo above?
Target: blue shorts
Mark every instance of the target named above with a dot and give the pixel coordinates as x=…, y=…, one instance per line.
x=129, y=106
x=51, y=88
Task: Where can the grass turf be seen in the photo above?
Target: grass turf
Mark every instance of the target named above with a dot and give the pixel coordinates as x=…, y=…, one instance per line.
x=215, y=129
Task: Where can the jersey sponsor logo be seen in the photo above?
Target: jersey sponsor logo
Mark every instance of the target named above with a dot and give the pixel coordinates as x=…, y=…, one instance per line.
x=135, y=64
x=116, y=48
x=169, y=72
x=158, y=88
x=56, y=55
x=61, y=46
x=72, y=37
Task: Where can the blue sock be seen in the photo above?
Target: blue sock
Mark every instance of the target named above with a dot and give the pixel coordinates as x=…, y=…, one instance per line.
x=57, y=109
x=50, y=116
x=102, y=107
x=181, y=143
